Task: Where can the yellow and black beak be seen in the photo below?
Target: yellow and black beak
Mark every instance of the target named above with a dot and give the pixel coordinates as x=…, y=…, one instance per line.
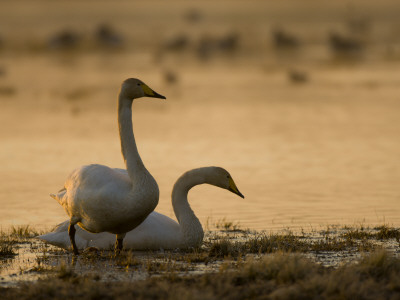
x=148, y=92
x=233, y=188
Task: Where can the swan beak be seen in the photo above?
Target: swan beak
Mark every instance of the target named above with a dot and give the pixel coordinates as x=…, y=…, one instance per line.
x=233, y=188
x=150, y=93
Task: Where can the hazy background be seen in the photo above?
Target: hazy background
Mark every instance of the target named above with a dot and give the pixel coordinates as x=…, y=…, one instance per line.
x=298, y=100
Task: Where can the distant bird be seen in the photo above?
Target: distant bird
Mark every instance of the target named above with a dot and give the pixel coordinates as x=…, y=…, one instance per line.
x=108, y=37
x=297, y=76
x=7, y=90
x=205, y=47
x=359, y=25
x=177, y=43
x=157, y=231
x=66, y=39
x=170, y=77
x=210, y=45
x=229, y=42
x=193, y=15
x=99, y=198
x=282, y=39
x=342, y=44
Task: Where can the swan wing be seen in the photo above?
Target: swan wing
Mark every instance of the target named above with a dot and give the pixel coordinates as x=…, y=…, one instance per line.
x=98, y=182
x=101, y=199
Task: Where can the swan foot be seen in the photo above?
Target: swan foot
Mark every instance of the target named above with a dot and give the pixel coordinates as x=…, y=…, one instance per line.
x=71, y=233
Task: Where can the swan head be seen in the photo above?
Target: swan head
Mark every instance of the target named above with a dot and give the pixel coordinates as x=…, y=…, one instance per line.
x=133, y=88
x=221, y=178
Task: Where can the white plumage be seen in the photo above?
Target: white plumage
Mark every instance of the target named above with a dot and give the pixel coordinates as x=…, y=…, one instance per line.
x=156, y=231
x=102, y=199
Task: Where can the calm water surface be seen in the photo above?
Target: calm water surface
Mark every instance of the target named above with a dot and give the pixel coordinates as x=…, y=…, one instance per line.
x=304, y=155
x=323, y=153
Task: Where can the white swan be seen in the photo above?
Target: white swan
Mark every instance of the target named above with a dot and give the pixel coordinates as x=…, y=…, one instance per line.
x=157, y=231
x=102, y=199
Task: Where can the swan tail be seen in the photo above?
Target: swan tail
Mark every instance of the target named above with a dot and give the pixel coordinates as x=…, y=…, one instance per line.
x=59, y=196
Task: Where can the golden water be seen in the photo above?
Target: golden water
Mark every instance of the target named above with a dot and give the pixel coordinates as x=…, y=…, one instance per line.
x=322, y=152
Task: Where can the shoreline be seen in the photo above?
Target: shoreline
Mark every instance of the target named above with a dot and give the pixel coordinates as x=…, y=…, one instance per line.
x=26, y=261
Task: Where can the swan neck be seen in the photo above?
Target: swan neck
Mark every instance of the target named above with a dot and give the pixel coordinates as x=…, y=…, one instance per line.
x=130, y=153
x=190, y=225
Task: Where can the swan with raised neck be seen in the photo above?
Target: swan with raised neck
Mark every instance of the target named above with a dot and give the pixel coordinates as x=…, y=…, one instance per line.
x=158, y=231
x=102, y=199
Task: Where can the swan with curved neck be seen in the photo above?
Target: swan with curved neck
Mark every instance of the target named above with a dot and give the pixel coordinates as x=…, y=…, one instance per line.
x=157, y=231
x=102, y=199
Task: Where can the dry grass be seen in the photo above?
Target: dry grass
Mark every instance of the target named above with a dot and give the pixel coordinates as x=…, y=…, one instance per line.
x=227, y=225
x=383, y=232
x=230, y=265
x=277, y=276
x=260, y=243
x=7, y=243
x=24, y=231
x=6, y=247
x=15, y=235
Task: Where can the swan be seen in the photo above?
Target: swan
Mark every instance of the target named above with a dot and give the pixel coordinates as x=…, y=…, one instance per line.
x=157, y=231
x=102, y=199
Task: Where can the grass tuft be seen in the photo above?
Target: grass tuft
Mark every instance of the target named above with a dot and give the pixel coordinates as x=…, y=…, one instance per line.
x=379, y=265
x=127, y=259
x=385, y=232
x=228, y=225
x=224, y=248
x=65, y=272
x=6, y=249
x=23, y=231
x=263, y=243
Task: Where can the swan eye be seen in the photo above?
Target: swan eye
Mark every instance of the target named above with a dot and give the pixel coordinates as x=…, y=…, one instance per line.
x=138, y=84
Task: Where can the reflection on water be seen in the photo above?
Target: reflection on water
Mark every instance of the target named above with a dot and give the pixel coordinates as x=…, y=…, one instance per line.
x=304, y=153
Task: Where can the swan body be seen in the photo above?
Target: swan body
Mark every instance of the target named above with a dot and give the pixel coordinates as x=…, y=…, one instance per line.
x=103, y=199
x=157, y=231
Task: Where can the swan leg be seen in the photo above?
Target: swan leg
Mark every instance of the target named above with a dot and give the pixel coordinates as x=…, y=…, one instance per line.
x=71, y=233
x=118, y=245
x=119, y=242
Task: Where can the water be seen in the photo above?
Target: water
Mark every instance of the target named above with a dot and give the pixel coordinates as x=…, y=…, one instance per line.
x=304, y=155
